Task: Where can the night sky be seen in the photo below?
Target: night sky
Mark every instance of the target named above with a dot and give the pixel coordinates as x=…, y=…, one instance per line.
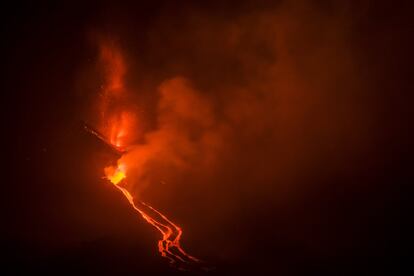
x=306, y=111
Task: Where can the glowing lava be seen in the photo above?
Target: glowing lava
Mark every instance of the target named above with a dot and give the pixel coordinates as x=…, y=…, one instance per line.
x=169, y=246
x=115, y=175
x=117, y=125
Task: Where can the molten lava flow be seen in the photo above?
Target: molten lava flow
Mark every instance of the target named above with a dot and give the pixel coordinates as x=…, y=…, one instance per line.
x=117, y=122
x=169, y=246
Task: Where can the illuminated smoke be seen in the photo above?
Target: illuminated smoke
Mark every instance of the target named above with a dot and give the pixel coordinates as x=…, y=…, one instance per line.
x=245, y=108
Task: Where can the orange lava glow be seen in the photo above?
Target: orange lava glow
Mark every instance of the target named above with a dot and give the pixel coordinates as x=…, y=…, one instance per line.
x=115, y=175
x=118, y=125
x=115, y=115
x=169, y=246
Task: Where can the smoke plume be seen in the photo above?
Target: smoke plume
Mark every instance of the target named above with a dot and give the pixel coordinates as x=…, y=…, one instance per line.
x=238, y=111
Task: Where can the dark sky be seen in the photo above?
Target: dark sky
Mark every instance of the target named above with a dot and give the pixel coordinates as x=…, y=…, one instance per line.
x=345, y=164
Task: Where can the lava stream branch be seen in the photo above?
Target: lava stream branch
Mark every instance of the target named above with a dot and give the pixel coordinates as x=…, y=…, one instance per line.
x=176, y=241
x=169, y=246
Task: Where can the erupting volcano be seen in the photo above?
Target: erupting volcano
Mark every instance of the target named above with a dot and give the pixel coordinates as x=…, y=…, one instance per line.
x=117, y=124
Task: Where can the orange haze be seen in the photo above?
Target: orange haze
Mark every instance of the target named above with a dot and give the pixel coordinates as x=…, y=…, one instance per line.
x=240, y=111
